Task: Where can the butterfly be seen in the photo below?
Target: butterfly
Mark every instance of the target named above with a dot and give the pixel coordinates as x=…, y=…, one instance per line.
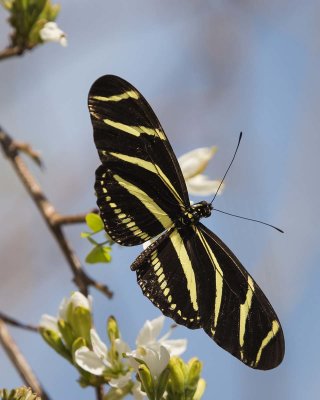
x=187, y=272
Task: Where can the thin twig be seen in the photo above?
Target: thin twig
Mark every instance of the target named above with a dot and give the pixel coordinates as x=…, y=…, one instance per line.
x=50, y=215
x=99, y=392
x=11, y=52
x=18, y=324
x=20, y=362
x=71, y=219
x=33, y=154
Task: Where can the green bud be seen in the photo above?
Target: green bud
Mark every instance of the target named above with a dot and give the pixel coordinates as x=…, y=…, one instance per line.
x=147, y=381
x=193, y=376
x=177, y=377
x=200, y=389
x=113, y=329
x=66, y=332
x=81, y=322
x=161, y=383
x=54, y=340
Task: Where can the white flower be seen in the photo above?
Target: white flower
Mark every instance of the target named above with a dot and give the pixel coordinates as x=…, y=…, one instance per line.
x=147, y=337
x=96, y=360
x=192, y=165
x=52, y=33
x=76, y=300
x=155, y=353
x=156, y=360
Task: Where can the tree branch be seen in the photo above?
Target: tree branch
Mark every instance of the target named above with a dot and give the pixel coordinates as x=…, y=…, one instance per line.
x=52, y=218
x=72, y=219
x=11, y=52
x=14, y=322
x=99, y=392
x=20, y=362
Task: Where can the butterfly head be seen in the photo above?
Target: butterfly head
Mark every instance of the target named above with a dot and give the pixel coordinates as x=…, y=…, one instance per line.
x=201, y=210
x=193, y=214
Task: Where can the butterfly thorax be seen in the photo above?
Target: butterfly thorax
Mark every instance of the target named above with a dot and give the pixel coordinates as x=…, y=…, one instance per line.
x=194, y=213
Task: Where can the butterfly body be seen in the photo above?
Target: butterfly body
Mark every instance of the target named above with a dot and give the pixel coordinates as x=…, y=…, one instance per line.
x=187, y=272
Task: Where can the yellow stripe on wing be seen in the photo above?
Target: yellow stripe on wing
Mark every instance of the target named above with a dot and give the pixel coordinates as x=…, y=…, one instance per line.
x=135, y=130
x=244, y=311
x=271, y=334
x=219, y=280
x=118, y=97
x=175, y=237
x=150, y=167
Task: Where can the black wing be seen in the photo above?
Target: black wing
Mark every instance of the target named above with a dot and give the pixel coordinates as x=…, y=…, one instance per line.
x=196, y=280
x=167, y=276
x=140, y=187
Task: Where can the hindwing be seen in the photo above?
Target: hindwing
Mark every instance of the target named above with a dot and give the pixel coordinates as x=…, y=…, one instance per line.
x=168, y=278
x=197, y=281
x=140, y=188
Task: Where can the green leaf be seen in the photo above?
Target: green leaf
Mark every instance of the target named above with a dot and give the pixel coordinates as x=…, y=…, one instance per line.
x=99, y=254
x=94, y=222
x=85, y=234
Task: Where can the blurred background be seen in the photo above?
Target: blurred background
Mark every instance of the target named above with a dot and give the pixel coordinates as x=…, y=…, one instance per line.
x=209, y=69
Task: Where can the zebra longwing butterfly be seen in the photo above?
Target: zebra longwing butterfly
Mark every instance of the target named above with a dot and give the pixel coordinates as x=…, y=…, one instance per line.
x=188, y=272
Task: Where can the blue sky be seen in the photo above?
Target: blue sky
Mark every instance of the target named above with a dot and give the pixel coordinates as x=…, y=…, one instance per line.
x=209, y=71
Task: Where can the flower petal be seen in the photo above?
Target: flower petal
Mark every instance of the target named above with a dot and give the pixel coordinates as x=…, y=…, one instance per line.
x=48, y=322
x=137, y=393
x=201, y=185
x=76, y=299
x=175, y=347
x=132, y=359
x=89, y=361
x=121, y=381
x=150, y=331
x=156, y=360
x=52, y=33
x=194, y=162
x=99, y=348
x=63, y=308
x=121, y=346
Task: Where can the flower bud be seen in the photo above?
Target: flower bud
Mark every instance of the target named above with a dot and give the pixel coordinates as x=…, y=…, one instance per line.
x=147, y=381
x=177, y=377
x=113, y=329
x=200, y=389
x=66, y=332
x=54, y=340
x=193, y=375
x=161, y=383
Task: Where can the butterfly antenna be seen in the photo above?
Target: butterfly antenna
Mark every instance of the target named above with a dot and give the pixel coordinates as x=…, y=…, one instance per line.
x=234, y=155
x=250, y=219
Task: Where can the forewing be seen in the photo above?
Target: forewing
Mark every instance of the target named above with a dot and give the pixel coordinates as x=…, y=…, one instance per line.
x=234, y=310
x=140, y=188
